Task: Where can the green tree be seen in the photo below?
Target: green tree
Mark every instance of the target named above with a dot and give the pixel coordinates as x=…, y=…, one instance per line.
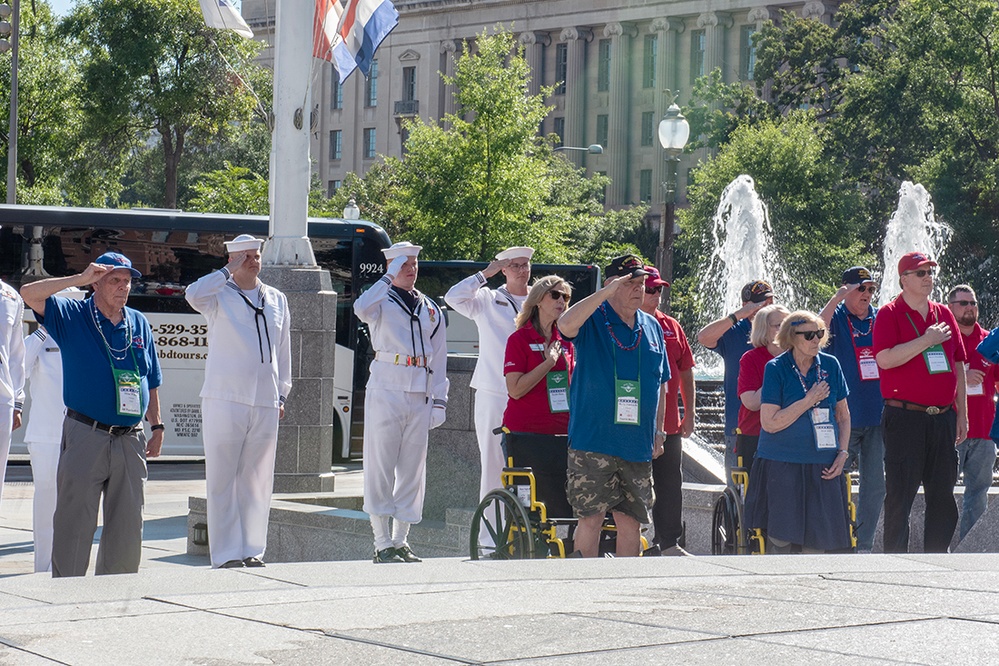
x=152, y=68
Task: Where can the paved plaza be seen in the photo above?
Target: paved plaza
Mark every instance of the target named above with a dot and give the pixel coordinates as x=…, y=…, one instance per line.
x=846, y=609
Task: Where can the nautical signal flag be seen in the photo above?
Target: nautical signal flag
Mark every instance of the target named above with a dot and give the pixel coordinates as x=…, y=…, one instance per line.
x=361, y=25
x=223, y=15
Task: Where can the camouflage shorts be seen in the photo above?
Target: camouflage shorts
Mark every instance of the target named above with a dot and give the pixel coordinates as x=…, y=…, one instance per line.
x=599, y=483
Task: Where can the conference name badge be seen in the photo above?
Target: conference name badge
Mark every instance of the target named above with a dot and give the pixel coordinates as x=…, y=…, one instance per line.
x=129, y=386
x=627, y=394
x=558, y=391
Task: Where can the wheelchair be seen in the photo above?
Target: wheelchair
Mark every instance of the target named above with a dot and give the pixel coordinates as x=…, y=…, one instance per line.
x=730, y=536
x=529, y=516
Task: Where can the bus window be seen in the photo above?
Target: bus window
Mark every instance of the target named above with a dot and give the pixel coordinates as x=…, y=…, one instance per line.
x=334, y=254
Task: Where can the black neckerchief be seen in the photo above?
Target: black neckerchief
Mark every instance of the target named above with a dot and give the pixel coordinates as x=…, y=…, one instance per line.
x=258, y=315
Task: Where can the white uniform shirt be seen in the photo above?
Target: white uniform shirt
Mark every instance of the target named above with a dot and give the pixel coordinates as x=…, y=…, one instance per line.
x=493, y=311
x=395, y=330
x=11, y=347
x=43, y=369
x=249, y=356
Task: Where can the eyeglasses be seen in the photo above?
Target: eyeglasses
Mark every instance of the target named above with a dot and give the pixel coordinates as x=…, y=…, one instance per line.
x=921, y=273
x=559, y=294
x=868, y=288
x=811, y=335
x=964, y=304
x=519, y=267
x=654, y=290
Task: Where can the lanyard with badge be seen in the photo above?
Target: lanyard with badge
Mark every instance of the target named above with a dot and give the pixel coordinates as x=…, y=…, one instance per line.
x=935, y=357
x=825, y=433
x=557, y=382
x=867, y=364
x=627, y=392
x=128, y=383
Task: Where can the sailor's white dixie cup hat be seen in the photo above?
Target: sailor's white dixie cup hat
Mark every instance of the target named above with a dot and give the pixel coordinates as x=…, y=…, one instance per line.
x=242, y=243
x=515, y=253
x=403, y=249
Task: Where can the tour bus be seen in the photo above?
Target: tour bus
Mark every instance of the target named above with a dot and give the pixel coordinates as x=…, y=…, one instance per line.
x=172, y=249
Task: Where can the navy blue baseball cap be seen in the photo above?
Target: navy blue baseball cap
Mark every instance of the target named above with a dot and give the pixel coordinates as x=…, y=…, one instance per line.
x=116, y=260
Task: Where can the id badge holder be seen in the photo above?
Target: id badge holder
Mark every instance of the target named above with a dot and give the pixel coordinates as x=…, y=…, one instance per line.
x=976, y=389
x=825, y=436
x=867, y=365
x=128, y=386
x=936, y=360
x=820, y=415
x=626, y=395
x=558, y=391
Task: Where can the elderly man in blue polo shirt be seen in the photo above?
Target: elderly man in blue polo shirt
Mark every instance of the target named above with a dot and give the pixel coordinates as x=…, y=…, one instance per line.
x=111, y=375
x=617, y=397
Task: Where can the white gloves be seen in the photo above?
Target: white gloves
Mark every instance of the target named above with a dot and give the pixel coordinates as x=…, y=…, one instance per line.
x=396, y=265
x=437, y=416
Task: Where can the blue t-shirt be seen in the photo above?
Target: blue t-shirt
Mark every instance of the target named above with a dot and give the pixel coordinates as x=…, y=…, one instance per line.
x=88, y=383
x=732, y=345
x=782, y=386
x=989, y=349
x=592, y=402
x=850, y=333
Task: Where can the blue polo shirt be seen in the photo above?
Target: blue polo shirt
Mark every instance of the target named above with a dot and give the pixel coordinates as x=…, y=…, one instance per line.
x=850, y=333
x=591, y=394
x=88, y=383
x=782, y=387
x=732, y=345
x=989, y=349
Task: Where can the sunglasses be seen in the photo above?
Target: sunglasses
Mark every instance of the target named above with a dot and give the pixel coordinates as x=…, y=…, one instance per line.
x=654, y=290
x=559, y=294
x=921, y=273
x=811, y=335
x=868, y=288
x=964, y=304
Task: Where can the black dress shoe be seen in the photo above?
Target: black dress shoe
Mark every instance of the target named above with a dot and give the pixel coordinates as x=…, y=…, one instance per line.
x=253, y=562
x=387, y=556
x=232, y=564
x=407, y=554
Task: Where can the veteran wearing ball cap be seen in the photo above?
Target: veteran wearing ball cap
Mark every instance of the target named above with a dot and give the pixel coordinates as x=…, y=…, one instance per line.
x=493, y=311
x=247, y=380
x=406, y=396
x=111, y=377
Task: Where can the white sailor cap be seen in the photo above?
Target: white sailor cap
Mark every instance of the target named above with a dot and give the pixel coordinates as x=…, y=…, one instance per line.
x=516, y=252
x=403, y=249
x=243, y=242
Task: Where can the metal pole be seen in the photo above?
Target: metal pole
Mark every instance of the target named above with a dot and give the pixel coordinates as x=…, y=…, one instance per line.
x=12, y=129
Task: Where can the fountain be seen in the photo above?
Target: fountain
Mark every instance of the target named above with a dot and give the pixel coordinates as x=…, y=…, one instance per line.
x=913, y=227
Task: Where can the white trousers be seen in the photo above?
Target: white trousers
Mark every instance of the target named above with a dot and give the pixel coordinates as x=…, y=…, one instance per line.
x=44, y=465
x=489, y=409
x=6, y=423
x=396, y=426
x=240, y=445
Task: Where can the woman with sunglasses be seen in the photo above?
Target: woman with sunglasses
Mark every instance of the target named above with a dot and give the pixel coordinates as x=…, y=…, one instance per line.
x=538, y=368
x=796, y=494
x=763, y=337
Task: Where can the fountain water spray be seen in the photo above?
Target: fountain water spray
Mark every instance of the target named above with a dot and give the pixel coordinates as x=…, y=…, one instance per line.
x=912, y=228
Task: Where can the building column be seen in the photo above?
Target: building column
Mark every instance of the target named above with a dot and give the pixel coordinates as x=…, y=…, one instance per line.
x=447, y=90
x=534, y=44
x=668, y=32
x=715, y=24
x=619, y=123
x=575, y=89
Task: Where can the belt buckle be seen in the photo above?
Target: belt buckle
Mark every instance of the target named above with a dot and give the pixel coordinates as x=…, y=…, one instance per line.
x=932, y=410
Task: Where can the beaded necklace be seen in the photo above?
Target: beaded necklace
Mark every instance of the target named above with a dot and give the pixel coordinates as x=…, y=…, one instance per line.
x=128, y=333
x=610, y=329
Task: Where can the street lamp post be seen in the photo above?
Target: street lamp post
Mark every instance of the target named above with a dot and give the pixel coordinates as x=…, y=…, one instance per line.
x=674, y=130
x=592, y=149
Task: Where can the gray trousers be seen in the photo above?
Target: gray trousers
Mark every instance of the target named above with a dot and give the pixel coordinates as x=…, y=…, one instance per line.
x=93, y=463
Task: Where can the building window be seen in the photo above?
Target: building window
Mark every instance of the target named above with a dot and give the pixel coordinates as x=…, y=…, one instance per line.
x=649, y=61
x=561, y=67
x=747, y=53
x=645, y=185
x=697, y=47
x=603, y=65
x=408, y=84
x=602, y=125
x=336, y=92
x=332, y=187
x=371, y=86
x=648, y=128
x=369, y=142
x=336, y=144
x=559, y=128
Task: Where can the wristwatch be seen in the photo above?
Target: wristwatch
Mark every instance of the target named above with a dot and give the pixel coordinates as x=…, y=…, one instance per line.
x=662, y=433
x=158, y=426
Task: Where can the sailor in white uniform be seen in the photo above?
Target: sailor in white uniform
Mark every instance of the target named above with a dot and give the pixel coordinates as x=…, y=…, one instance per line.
x=406, y=396
x=11, y=369
x=247, y=379
x=493, y=311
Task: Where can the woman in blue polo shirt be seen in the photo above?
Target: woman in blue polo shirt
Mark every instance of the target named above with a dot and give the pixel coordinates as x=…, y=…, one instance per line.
x=796, y=494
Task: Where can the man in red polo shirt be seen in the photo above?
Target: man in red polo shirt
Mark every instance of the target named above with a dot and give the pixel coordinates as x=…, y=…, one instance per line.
x=667, y=474
x=922, y=359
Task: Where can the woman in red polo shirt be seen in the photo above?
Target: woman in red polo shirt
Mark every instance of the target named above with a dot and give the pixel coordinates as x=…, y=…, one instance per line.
x=538, y=368
x=763, y=337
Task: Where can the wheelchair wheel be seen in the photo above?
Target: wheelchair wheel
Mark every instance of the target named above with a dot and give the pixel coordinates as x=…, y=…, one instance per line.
x=502, y=519
x=726, y=525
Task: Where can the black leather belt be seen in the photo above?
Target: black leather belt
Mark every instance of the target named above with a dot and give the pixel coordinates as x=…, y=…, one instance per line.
x=932, y=410
x=113, y=430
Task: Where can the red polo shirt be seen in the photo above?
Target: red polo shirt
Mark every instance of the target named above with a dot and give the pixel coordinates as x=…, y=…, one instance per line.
x=531, y=412
x=897, y=324
x=981, y=408
x=680, y=359
x=751, y=367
